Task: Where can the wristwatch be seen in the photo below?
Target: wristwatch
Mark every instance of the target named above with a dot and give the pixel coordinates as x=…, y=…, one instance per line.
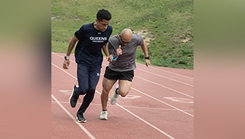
x=66, y=57
x=147, y=57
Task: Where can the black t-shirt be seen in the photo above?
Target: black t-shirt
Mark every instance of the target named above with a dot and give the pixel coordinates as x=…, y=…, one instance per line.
x=91, y=41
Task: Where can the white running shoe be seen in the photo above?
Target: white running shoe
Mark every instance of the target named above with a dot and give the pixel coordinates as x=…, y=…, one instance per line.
x=115, y=96
x=103, y=115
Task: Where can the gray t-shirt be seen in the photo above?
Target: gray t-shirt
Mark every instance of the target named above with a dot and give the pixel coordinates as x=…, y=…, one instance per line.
x=126, y=61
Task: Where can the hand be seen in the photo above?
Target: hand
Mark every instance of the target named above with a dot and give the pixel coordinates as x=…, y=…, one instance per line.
x=147, y=62
x=109, y=58
x=119, y=51
x=66, y=64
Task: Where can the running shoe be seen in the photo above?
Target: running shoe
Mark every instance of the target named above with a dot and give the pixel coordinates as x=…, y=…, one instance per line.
x=73, y=98
x=115, y=96
x=103, y=115
x=80, y=118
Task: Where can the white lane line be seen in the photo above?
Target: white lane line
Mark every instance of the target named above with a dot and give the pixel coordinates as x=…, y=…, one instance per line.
x=127, y=106
x=155, y=69
x=165, y=87
x=145, y=80
x=162, y=102
x=146, y=122
x=125, y=109
x=165, y=77
x=152, y=96
x=167, y=71
x=73, y=118
x=144, y=71
x=134, y=107
x=141, y=119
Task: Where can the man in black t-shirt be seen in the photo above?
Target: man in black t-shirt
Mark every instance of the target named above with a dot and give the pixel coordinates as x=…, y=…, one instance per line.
x=91, y=38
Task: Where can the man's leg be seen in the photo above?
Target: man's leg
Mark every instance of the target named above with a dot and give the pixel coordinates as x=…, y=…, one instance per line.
x=107, y=85
x=83, y=79
x=125, y=82
x=82, y=88
x=110, y=77
x=124, y=87
x=93, y=78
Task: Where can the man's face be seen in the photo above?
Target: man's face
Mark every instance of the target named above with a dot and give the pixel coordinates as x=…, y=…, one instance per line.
x=124, y=40
x=103, y=24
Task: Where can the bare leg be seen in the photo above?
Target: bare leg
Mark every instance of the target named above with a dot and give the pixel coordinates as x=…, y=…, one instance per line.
x=107, y=85
x=124, y=87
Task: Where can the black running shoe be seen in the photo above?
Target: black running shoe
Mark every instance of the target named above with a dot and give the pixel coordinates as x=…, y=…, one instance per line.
x=80, y=118
x=73, y=99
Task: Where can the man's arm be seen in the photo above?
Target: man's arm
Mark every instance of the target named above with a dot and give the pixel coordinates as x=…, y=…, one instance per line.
x=105, y=49
x=72, y=43
x=106, y=52
x=145, y=51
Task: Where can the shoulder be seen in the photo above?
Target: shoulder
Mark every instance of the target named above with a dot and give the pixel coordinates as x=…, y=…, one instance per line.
x=137, y=39
x=136, y=36
x=109, y=30
x=113, y=38
x=84, y=29
x=109, y=27
x=87, y=26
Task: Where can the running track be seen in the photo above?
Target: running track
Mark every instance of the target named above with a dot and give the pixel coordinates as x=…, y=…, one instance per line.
x=159, y=105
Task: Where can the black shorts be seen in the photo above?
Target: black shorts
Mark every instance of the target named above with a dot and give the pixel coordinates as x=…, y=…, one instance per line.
x=115, y=75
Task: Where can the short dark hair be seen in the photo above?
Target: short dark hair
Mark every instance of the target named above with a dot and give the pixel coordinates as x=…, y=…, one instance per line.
x=103, y=14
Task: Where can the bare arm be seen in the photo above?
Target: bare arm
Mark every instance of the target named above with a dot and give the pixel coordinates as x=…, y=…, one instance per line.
x=106, y=52
x=105, y=49
x=145, y=51
x=71, y=45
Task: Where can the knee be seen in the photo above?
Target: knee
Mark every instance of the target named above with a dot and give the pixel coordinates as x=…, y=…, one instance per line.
x=91, y=90
x=105, y=91
x=122, y=93
x=83, y=90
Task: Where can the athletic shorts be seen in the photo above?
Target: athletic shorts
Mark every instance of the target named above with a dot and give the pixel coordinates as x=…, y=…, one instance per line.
x=115, y=75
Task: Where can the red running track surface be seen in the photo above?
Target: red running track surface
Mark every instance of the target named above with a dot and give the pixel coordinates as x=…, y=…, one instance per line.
x=158, y=106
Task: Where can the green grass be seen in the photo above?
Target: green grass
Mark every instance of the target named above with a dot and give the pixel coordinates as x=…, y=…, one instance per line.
x=170, y=23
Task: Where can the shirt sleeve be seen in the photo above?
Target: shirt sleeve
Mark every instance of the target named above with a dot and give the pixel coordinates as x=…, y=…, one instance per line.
x=140, y=40
x=79, y=33
x=111, y=48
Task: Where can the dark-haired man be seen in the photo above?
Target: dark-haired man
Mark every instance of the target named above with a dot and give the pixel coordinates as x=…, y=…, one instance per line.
x=91, y=38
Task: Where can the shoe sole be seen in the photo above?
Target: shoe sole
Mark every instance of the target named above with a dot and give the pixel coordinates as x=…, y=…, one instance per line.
x=113, y=102
x=81, y=121
x=103, y=118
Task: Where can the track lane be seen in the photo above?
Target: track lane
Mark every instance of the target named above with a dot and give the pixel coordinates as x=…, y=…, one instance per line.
x=128, y=103
x=92, y=117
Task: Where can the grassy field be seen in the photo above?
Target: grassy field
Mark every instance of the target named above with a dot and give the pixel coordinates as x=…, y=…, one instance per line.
x=167, y=25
